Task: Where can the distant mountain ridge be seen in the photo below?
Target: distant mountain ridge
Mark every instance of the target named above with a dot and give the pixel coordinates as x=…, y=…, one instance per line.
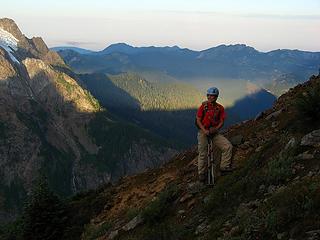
x=76, y=49
x=129, y=49
x=222, y=62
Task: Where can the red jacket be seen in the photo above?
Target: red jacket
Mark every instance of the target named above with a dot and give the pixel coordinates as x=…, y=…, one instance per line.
x=213, y=116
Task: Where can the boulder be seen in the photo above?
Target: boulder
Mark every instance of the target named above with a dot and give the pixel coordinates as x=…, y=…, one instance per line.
x=236, y=140
x=311, y=139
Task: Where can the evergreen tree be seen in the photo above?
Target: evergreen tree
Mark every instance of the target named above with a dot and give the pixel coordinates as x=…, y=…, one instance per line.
x=44, y=216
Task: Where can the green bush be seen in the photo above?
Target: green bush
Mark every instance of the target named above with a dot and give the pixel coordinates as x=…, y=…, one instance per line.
x=131, y=213
x=280, y=168
x=92, y=232
x=308, y=104
x=166, y=231
x=160, y=207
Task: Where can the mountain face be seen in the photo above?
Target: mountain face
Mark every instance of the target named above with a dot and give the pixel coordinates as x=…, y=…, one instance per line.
x=50, y=124
x=166, y=109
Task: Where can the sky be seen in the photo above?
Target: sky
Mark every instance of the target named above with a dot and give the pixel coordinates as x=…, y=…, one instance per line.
x=194, y=24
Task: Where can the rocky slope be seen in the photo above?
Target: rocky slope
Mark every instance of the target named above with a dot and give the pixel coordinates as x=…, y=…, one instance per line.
x=48, y=123
x=273, y=194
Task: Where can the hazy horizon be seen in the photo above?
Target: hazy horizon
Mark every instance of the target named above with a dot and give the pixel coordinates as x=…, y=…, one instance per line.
x=196, y=25
x=181, y=47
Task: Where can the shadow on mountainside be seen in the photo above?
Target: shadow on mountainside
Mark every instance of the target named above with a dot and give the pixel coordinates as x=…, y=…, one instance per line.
x=177, y=126
x=249, y=107
x=49, y=124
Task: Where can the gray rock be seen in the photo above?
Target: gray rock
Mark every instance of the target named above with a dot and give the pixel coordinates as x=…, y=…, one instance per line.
x=133, y=223
x=113, y=234
x=310, y=174
x=305, y=156
x=272, y=189
x=313, y=232
x=185, y=197
x=236, y=140
x=202, y=228
x=234, y=231
x=297, y=178
x=290, y=144
x=282, y=235
x=181, y=212
x=195, y=187
x=274, y=124
x=262, y=188
x=258, y=149
x=206, y=199
x=311, y=139
x=274, y=114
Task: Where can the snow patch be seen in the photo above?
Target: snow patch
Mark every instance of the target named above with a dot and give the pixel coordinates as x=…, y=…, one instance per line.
x=9, y=43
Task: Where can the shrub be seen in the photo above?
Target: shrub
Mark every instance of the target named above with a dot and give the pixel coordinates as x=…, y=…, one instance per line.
x=93, y=232
x=166, y=231
x=280, y=167
x=308, y=103
x=159, y=208
x=131, y=213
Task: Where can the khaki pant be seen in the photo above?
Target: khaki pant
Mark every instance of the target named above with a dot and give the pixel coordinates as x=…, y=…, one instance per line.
x=220, y=143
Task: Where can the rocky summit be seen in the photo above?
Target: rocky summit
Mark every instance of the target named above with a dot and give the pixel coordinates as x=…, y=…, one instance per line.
x=50, y=124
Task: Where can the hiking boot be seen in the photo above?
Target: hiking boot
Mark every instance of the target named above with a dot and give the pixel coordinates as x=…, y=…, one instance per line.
x=227, y=170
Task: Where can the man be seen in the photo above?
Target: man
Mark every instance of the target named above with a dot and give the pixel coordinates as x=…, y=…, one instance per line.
x=210, y=118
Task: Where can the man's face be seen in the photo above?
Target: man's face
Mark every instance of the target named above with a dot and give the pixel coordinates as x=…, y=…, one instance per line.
x=212, y=98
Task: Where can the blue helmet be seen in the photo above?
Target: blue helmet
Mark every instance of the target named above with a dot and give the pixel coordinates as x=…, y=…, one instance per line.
x=213, y=91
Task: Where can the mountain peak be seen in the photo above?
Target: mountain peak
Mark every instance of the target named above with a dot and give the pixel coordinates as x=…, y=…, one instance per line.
x=10, y=26
x=118, y=47
x=232, y=48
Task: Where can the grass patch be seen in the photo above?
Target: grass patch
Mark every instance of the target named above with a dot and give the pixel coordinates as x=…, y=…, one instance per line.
x=131, y=213
x=291, y=212
x=243, y=186
x=68, y=86
x=279, y=169
x=92, y=232
x=166, y=231
x=158, y=209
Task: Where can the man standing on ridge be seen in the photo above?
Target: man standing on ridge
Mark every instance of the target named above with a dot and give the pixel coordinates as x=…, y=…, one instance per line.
x=210, y=118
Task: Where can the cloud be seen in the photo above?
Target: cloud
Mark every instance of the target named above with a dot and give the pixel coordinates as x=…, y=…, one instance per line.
x=80, y=43
x=248, y=15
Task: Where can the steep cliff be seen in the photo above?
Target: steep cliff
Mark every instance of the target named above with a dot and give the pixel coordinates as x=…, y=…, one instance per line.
x=47, y=124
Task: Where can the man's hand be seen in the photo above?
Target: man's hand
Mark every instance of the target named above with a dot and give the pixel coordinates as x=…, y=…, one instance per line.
x=213, y=130
x=206, y=132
